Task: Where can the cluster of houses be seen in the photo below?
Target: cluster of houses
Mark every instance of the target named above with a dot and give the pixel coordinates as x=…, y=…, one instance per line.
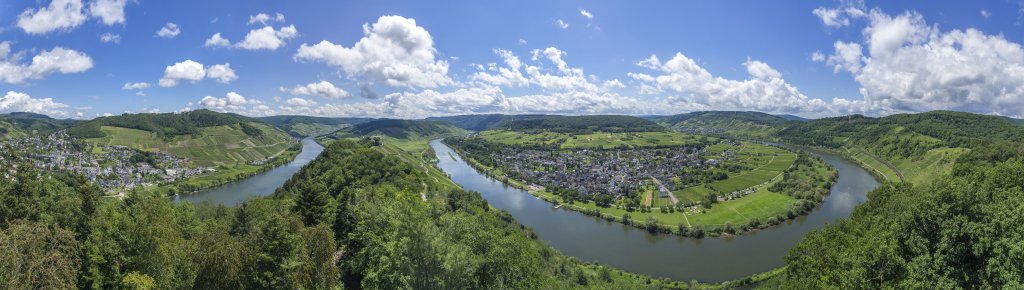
x=112, y=167
x=615, y=172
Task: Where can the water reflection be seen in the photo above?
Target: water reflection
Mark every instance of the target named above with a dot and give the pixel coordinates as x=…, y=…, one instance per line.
x=635, y=250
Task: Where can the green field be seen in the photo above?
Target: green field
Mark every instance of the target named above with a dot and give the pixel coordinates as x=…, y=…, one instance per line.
x=215, y=146
x=593, y=140
x=767, y=163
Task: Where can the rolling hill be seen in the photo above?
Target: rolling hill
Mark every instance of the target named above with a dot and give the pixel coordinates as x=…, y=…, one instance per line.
x=585, y=124
x=747, y=124
x=207, y=138
x=306, y=126
x=23, y=123
x=484, y=122
x=401, y=129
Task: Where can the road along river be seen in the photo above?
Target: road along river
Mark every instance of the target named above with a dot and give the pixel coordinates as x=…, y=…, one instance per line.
x=635, y=250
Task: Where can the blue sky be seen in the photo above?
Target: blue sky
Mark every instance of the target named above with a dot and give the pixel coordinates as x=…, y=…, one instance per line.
x=84, y=58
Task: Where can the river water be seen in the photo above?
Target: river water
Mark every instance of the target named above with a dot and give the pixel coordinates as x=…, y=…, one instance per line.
x=592, y=239
x=262, y=184
x=710, y=259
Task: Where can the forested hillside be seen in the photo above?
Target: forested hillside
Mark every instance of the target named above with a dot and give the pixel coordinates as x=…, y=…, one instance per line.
x=961, y=231
x=585, y=124
x=26, y=123
x=306, y=126
x=747, y=124
x=165, y=125
x=353, y=218
x=484, y=122
x=400, y=129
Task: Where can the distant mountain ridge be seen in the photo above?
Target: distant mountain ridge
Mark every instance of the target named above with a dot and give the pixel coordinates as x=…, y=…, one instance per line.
x=307, y=126
x=20, y=123
x=585, y=124
x=165, y=124
x=485, y=121
x=400, y=129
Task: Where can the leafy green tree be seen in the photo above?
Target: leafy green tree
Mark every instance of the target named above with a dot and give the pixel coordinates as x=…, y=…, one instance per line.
x=36, y=256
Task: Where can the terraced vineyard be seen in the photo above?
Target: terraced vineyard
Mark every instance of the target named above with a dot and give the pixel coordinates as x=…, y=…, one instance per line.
x=766, y=162
x=215, y=146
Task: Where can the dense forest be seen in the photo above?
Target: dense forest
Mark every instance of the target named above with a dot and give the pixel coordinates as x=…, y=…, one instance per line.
x=307, y=126
x=353, y=218
x=484, y=122
x=585, y=124
x=962, y=231
x=166, y=124
x=399, y=129
x=30, y=122
x=905, y=135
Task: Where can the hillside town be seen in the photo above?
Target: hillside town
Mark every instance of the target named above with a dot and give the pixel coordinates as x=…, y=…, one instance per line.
x=114, y=168
x=615, y=172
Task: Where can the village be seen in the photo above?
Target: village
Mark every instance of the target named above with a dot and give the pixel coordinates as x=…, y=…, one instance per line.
x=614, y=172
x=115, y=169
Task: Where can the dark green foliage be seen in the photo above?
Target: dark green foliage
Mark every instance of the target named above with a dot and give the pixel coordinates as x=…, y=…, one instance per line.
x=288, y=122
x=722, y=117
x=400, y=129
x=484, y=122
x=961, y=231
x=39, y=123
x=585, y=124
x=166, y=124
x=905, y=135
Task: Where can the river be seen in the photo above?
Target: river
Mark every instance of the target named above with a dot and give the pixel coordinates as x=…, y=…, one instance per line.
x=635, y=250
x=262, y=184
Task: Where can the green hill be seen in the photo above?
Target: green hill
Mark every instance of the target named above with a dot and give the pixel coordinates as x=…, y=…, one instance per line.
x=747, y=124
x=484, y=122
x=585, y=124
x=401, y=129
x=207, y=138
x=23, y=123
x=920, y=146
x=306, y=126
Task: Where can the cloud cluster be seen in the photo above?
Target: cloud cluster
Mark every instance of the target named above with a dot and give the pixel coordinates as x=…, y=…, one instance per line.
x=65, y=15
x=110, y=37
x=233, y=102
x=170, y=30
x=693, y=86
x=193, y=71
x=57, y=60
x=22, y=102
x=909, y=65
x=840, y=16
x=322, y=88
x=263, y=18
x=393, y=51
x=265, y=38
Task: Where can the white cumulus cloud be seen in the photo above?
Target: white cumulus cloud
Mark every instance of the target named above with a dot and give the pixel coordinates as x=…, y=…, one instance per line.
x=60, y=15
x=135, y=86
x=110, y=12
x=221, y=72
x=912, y=66
x=22, y=102
x=170, y=30
x=56, y=60
x=263, y=18
x=321, y=88
x=188, y=70
x=393, y=51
